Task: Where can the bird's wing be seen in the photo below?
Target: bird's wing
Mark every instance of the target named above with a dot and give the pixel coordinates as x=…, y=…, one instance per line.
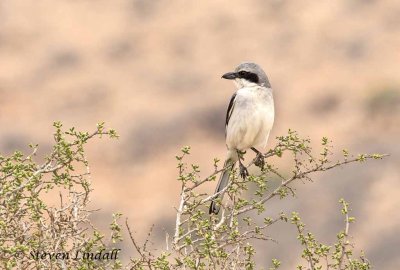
x=231, y=106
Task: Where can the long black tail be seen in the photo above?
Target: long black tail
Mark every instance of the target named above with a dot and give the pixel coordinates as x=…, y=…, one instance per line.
x=222, y=183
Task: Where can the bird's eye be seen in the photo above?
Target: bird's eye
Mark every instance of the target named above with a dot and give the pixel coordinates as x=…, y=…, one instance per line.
x=242, y=73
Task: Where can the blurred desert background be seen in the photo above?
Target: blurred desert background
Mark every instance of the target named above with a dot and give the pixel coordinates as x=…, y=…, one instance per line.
x=151, y=70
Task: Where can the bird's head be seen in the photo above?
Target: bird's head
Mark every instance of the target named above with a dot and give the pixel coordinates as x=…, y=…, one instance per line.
x=247, y=74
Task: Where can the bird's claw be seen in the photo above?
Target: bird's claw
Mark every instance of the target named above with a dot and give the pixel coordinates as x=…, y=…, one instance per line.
x=259, y=161
x=243, y=171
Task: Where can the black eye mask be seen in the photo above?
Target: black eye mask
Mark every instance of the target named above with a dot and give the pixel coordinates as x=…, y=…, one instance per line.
x=252, y=77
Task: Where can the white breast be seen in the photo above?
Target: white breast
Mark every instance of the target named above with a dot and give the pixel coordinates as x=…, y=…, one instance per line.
x=252, y=118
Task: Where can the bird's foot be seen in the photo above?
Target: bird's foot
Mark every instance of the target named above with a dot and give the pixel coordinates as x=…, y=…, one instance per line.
x=259, y=161
x=243, y=171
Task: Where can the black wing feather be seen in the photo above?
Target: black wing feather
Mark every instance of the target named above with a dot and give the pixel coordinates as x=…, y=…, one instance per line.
x=230, y=109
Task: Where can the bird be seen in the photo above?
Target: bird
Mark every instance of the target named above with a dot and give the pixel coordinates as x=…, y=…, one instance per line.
x=249, y=120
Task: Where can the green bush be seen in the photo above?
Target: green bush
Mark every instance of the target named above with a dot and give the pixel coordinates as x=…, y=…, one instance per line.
x=30, y=226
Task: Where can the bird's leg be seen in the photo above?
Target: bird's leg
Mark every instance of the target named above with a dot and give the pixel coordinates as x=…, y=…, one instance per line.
x=243, y=170
x=241, y=154
x=259, y=161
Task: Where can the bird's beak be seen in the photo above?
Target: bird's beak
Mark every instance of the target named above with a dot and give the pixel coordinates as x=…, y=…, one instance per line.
x=230, y=75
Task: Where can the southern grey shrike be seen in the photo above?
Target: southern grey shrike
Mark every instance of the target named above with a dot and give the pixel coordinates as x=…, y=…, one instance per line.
x=249, y=120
